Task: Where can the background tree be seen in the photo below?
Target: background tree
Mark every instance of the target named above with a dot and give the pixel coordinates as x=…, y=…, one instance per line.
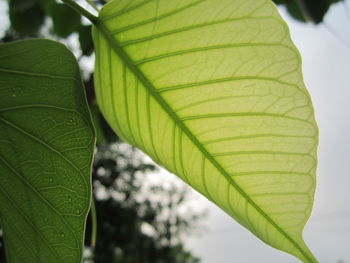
x=137, y=220
x=307, y=10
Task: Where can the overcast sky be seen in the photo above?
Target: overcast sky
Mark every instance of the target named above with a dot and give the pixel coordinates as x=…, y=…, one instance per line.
x=326, y=67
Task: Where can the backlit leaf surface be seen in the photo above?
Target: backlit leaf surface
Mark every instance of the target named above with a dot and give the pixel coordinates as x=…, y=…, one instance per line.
x=46, y=147
x=213, y=91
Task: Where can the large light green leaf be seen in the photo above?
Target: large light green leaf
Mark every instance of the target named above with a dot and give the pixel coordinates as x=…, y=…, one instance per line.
x=46, y=147
x=212, y=90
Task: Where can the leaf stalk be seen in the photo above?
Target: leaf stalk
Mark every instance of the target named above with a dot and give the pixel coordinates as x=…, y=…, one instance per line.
x=81, y=10
x=92, y=4
x=94, y=223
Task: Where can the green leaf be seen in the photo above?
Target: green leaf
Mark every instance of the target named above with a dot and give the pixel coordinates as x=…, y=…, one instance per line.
x=308, y=10
x=213, y=91
x=46, y=148
x=85, y=40
x=65, y=20
x=47, y=5
x=297, y=13
x=95, y=115
x=26, y=16
x=104, y=134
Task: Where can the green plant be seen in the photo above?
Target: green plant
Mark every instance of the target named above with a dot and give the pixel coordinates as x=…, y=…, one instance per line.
x=307, y=10
x=211, y=90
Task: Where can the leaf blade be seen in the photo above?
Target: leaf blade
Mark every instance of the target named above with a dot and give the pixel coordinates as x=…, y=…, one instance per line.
x=163, y=54
x=45, y=153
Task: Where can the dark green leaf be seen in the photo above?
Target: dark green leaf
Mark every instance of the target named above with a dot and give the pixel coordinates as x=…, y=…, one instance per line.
x=104, y=133
x=47, y=5
x=46, y=149
x=307, y=10
x=295, y=11
x=95, y=114
x=85, y=40
x=65, y=20
x=26, y=16
x=315, y=9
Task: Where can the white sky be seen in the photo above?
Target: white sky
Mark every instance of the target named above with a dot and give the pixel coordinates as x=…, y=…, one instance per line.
x=326, y=67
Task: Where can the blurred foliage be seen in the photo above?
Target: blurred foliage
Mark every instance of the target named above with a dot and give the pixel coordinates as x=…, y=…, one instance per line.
x=137, y=221
x=307, y=10
x=26, y=16
x=85, y=40
x=65, y=20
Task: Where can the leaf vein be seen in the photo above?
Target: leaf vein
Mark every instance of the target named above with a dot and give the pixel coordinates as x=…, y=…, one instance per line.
x=209, y=48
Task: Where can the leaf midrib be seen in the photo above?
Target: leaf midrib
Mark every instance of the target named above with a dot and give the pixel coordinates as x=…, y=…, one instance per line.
x=117, y=47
